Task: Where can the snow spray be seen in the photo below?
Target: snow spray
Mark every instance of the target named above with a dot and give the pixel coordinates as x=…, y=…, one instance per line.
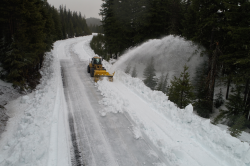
x=170, y=54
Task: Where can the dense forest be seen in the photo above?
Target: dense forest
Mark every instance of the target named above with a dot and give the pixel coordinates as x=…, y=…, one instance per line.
x=94, y=25
x=95, y=28
x=222, y=27
x=93, y=21
x=28, y=30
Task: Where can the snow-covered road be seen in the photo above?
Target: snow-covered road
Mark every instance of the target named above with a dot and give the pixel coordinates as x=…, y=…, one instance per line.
x=70, y=120
x=101, y=140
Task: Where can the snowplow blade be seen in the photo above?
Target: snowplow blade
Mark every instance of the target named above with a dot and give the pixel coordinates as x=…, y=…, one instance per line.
x=100, y=74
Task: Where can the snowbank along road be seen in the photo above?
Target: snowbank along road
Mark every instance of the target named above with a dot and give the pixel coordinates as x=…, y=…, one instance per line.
x=71, y=120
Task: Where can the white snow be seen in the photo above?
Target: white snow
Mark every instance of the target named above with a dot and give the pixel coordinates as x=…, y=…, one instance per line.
x=183, y=136
x=170, y=54
x=38, y=131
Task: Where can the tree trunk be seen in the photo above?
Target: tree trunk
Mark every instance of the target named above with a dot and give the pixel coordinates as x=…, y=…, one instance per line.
x=246, y=91
x=212, y=75
x=228, y=86
x=248, y=105
x=181, y=99
x=209, y=79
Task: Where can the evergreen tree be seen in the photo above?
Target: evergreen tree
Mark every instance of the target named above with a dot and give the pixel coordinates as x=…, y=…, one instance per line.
x=238, y=126
x=111, y=28
x=158, y=18
x=98, y=45
x=124, y=13
x=234, y=105
x=176, y=16
x=96, y=28
x=49, y=28
x=219, y=99
x=149, y=75
x=21, y=63
x=72, y=23
x=202, y=105
x=190, y=22
x=162, y=84
x=203, y=24
x=134, y=72
x=235, y=55
x=57, y=24
x=180, y=91
x=165, y=86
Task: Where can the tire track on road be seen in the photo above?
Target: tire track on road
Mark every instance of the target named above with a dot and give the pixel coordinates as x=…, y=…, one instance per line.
x=76, y=159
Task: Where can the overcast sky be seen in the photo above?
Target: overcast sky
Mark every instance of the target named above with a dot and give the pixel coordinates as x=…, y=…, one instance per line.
x=89, y=8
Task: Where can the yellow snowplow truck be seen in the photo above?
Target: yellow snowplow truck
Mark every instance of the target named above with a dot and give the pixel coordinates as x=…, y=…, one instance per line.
x=97, y=71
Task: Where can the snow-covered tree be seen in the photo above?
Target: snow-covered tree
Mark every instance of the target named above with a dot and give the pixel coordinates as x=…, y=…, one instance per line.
x=160, y=83
x=163, y=83
x=149, y=75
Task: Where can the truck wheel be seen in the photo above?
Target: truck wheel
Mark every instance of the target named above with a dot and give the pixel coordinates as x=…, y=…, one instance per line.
x=88, y=69
x=92, y=70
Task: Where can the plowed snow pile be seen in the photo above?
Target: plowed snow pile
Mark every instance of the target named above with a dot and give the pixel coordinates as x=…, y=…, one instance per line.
x=185, y=138
x=36, y=123
x=179, y=133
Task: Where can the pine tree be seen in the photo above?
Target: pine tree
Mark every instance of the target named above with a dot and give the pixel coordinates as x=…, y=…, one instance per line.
x=111, y=27
x=98, y=45
x=49, y=28
x=190, y=22
x=180, y=91
x=234, y=105
x=237, y=47
x=134, y=72
x=160, y=83
x=176, y=16
x=124, y=13
x=21, y=63
x=203, y=25
x=235, y=57
x=238, y=126
x=163, y=83
x=219, y=99
x=72, y=23
x=57, y=24
x=202, y=105
x=165, y=87
x=149, y=75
